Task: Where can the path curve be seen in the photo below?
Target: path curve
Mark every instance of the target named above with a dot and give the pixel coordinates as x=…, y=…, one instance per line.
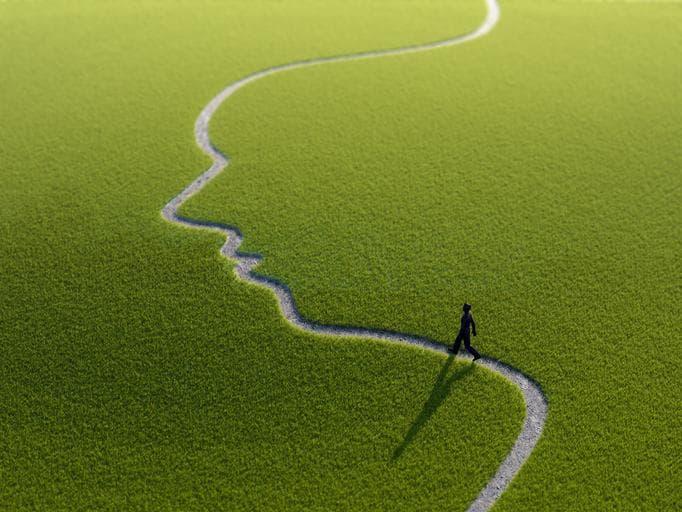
x=536, y=403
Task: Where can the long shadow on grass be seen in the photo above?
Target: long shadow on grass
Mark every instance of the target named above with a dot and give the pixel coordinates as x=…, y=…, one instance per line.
x=440, y=391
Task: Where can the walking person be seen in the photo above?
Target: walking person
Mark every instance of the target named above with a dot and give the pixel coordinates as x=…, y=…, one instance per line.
x=466, y=323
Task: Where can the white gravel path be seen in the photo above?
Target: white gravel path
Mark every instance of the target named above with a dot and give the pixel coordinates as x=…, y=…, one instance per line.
x=536, y=403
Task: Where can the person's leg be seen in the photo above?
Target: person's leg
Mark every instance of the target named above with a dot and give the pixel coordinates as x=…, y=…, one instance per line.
x=457, y=344
x=472, y=350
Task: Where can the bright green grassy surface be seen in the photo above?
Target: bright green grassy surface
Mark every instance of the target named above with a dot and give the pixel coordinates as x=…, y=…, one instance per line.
x=535, y=173
x=136, y=373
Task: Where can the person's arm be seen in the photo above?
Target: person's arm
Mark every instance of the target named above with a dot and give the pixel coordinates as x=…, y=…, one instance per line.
x=473, y=325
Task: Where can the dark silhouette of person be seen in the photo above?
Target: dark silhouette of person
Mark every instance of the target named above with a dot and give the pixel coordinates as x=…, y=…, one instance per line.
x=466, y=323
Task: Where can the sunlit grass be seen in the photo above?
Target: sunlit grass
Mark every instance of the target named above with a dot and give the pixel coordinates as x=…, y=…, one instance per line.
x=533, y=173
x=136, y=373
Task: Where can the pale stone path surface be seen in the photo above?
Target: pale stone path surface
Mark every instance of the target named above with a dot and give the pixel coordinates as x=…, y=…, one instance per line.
x=536, y=403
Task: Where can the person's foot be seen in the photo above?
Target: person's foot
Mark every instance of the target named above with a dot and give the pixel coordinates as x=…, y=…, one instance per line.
x=451, y=350
x=477, y=357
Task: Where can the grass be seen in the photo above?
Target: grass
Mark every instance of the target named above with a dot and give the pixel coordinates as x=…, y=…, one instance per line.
x=534, y=173
x=137, y=374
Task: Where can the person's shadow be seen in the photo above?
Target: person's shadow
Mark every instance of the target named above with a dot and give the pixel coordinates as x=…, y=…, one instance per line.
x=440, y=391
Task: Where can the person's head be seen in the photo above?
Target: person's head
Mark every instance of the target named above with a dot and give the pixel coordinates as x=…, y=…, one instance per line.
x=466, y=308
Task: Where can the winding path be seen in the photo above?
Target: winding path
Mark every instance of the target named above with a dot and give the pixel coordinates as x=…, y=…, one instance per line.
x=536, y=403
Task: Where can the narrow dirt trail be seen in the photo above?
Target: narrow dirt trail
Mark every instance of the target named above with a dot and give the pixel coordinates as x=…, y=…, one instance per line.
x=536, y=403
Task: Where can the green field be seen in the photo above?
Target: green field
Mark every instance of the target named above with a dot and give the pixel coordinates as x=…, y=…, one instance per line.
x=534, y=172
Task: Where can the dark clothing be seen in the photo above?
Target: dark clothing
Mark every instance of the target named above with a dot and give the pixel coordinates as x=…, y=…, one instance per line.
x=466, y=323
x=467, y=344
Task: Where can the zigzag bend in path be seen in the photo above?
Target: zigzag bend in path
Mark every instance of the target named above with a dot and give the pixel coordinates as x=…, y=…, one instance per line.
x=536, y=403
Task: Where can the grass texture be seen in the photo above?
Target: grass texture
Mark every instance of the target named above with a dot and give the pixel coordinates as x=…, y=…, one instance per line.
x=534, y=173
x=136, y=373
